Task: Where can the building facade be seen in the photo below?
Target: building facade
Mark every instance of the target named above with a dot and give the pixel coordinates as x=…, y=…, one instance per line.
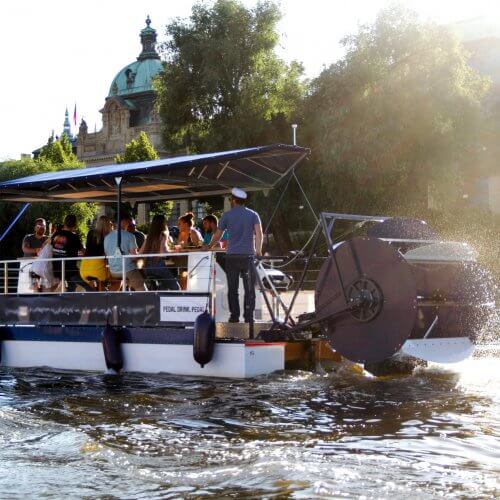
x=128, y=108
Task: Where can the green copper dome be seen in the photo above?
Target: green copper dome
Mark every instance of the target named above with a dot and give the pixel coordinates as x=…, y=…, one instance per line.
x=138, y=76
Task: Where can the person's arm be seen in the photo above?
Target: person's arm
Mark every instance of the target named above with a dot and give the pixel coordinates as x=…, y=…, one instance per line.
x=223, y=240
x=143, y=247
x=258, y=239
x=27, y=250
x=133, y=250
x=164, y=245
x=219, y=232
x=195, y=237
x=216, y=238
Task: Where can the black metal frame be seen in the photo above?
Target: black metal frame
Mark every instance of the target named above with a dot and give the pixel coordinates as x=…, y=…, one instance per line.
x=326, y=223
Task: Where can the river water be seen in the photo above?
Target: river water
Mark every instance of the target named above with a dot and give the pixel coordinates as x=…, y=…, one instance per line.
x=289, y=435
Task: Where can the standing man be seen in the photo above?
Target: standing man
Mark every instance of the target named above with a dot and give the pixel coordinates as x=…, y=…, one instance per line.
x=33, y=243
x=245, y=242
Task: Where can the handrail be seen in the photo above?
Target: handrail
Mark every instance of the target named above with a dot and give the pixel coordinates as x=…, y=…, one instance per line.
x=129, y=256
x=28, y=261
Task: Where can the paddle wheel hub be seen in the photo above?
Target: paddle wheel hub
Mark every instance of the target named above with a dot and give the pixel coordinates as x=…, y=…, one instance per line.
x=366, y=298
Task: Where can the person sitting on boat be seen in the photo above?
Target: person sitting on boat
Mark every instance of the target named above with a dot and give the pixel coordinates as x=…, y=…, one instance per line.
x=189, y=236
x=67, y=243
x=209, y=225
x=158, y=242
x=245, y=242
x=33, y=243
x=128, y=247
x=139, y=235
x=96, y=268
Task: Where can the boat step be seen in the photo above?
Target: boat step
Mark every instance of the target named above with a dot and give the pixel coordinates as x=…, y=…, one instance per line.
x=238, y=330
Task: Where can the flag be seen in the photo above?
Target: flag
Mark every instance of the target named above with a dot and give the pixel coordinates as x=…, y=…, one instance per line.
x=74, y=116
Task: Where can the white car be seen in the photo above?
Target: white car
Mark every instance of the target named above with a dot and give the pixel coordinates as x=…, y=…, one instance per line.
x=279, y=279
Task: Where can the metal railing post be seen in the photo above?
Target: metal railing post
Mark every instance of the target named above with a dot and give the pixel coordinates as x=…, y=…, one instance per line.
x=63, y=276
x=6, y=278
x=275, y=295
x=124, y=274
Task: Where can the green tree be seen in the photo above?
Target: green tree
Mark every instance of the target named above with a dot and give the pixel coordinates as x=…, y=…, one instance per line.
x=399, y=115
x=54, y=213
x=58, y=152
x=223, y=85
x=141, y=149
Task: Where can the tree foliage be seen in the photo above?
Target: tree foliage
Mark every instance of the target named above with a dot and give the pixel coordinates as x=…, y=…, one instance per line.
x=54, y=213
x=397, y=118
x=223, y=85
x=58, y=151
x=398, y=115
x=139, y=149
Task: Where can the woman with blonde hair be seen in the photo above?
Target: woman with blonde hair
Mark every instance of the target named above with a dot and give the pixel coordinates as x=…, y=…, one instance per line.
x=158, y=242
x=188, y=235
x=96, y=269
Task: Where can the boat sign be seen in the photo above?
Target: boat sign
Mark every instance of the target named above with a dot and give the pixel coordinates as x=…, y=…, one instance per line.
x=184, y=309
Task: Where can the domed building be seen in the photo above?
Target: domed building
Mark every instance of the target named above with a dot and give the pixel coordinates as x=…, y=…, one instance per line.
x=128, y=109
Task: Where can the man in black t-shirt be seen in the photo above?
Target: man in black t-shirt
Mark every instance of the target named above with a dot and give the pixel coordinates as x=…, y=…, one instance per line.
x=32, y=243
x=66, y=243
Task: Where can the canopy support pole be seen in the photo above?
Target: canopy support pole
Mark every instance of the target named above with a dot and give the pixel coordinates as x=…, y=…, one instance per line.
x=266, y=230
x=14, y=220
x=305, y=196
x=118, y=181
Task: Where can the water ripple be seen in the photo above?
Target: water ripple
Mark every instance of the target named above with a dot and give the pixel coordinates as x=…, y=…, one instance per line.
x=292, y=434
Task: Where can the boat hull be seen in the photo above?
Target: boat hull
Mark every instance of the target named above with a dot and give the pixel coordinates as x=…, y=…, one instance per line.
x=148, y=350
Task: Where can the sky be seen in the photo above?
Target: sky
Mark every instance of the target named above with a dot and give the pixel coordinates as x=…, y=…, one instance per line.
x=55, y=54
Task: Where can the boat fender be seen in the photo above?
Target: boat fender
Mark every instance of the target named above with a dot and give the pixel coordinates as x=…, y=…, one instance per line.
x=112, y=348
x=204, y=338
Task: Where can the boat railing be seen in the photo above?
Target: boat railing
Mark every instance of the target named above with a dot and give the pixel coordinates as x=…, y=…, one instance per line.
x=194, y=270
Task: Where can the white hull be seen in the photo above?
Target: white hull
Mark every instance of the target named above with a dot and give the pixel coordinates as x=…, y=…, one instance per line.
x=238, y=360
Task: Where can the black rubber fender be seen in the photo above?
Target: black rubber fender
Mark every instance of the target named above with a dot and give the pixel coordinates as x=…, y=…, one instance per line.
x=112, y=348
x=204, y=338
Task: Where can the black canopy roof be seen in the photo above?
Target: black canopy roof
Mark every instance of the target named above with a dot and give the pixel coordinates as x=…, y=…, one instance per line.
x=189, y=176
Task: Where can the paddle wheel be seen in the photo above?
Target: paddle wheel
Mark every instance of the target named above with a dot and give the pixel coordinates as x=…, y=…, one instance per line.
x=397, y=290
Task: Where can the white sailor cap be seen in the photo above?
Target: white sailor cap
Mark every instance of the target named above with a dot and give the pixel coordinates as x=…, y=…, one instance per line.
x=239, y=193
